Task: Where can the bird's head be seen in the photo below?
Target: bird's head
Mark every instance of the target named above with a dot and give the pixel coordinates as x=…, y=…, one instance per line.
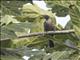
x=46, y=17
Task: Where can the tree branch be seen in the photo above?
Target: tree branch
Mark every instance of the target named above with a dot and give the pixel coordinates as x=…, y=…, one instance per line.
x=48, y=33
x=45, y=33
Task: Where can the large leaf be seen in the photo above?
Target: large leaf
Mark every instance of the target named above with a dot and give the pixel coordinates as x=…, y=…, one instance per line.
x=6, y=33
x=9, y=54
x=20, y=27
x=61, y=55
x=61, y=7
x=60, y=10
x=12, y=7
x=33, y=11
x=75, y=13
x=29, y=8
x=7, y=19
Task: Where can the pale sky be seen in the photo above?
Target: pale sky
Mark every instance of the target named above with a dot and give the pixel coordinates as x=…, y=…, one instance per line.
x=60, y=20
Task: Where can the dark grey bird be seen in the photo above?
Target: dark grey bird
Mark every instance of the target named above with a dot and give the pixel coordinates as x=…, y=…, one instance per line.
x=48, y=26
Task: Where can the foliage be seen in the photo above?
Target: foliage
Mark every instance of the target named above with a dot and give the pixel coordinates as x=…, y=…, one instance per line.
x=18, y=19
x=69, y=7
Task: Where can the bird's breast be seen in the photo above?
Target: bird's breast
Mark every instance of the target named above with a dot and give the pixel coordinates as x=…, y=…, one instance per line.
x=48, y=26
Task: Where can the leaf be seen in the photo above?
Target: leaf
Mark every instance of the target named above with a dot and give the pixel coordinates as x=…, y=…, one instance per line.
x=70, y=44
x=20, y=27
x=61, y=55
x=9, y=54
x=12, y=7
x=10, y=58
x=33, y=11
x=75, y=13
x=60, y=10
x=6, y=33
x=7, y=19
x=69, y=25
x=61, y=7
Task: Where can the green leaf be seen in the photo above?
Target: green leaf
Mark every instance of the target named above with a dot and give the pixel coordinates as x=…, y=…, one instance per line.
x=33, y=11
x=61, y=55
x=9, y=54
x=70, y=44
x=7, y=19
x=12, y=7
x=75, y=18
x=6, y=33
x=60, y=10
x=20, y=27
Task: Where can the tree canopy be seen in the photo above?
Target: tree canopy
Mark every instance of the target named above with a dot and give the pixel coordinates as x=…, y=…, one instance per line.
x=22, y=31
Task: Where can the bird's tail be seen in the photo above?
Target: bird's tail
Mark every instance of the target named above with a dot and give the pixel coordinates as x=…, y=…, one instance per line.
x=50, y=44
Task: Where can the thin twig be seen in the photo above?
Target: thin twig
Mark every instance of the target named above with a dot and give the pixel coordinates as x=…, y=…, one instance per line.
x=44, y=33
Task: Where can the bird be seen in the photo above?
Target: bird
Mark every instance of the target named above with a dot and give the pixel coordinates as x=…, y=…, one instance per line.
x=48, y=26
